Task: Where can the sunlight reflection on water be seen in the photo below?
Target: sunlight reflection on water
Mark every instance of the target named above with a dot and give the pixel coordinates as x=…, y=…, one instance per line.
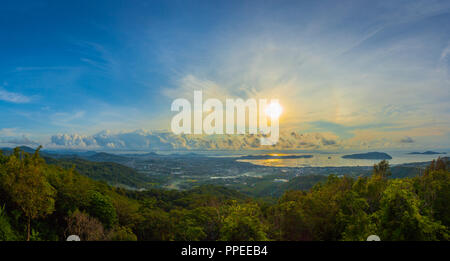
x=336, y=160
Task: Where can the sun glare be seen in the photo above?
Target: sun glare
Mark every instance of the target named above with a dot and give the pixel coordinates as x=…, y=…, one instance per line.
x=274, y=110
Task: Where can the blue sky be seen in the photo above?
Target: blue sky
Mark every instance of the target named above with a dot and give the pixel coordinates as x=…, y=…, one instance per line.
x=355, y=71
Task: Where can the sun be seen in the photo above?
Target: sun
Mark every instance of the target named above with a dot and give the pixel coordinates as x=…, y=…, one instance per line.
x=274, y=110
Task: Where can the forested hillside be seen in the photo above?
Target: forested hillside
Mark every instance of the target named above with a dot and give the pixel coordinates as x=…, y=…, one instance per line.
x=113, y=173
x=41, y=201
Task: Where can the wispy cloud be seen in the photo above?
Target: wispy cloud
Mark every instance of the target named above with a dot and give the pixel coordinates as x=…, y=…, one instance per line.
x=8, y=132
x=40, y=68
x=373, y=80
x=371, y=72
x=13, y=97
x=98, y=56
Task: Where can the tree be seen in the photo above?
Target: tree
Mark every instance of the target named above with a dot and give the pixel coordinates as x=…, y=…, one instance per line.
x=127, y=211
x=6, y=231
x=352, y=218
x=434, y=189
x=186, y=226
x=101, y=207
x=155, y=224
x=439, y=164
x=400, y=216
x=371, y=188
x=292, y=220
x=86, y=227
x=25, y=182
x=121, y=233
x=382, y=169
x=242, y=222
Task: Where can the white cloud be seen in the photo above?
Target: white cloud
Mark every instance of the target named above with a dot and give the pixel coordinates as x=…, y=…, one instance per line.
x=13, y=97
x=164, y=140
x=289, y=140
x=444, y=62
x=8, y=132
x=20, y=140
x=378, y=71
x=12, y=136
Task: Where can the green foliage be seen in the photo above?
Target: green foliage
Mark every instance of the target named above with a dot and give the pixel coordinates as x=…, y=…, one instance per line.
x=113, y=173
x=25, y=181
x=127, y=210
x=52, y=201
x=400, y=217
x=187, y=226
x=120, y=233
x=35, y=235
x=344, y=209
x=353, y=219
x=101, y=207
x=241, y=222
x=382, y=169
x=6, y=231
x=155, y=225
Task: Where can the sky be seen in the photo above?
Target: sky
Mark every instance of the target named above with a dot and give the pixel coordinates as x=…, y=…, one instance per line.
x=349, y=74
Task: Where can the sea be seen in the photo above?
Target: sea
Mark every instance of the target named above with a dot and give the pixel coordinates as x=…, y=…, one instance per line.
x=336, y=160
x=324, y=159
x=318, y=159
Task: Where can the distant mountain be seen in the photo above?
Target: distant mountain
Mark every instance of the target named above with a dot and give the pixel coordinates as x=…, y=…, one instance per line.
x=27, y=149
x=107, y=157
x=369, y=155
x=428, y=152
x=141, y=155
x=70, y=153
x=52, y=153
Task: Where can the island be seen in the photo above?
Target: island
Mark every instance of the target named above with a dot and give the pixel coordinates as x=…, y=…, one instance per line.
x=428, y=152
x=369, y=155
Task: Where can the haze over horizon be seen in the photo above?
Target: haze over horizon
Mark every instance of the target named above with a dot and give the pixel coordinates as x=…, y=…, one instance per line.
x=368, y=75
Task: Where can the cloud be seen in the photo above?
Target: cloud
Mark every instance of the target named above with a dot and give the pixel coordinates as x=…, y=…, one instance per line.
x=444, y=62
x=328, y=142
x=164, y=140
x=189, y=83
x=12, y=136
x=407, y=140
x=100, y=57
x=40, y=68
x=20, y=140
x=73, y=141
x=7, y=132
x=331, y=73
x=13, y=97
x=63, y=118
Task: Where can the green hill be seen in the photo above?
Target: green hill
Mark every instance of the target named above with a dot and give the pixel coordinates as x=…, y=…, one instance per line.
x=110, y=172
x=41, y=201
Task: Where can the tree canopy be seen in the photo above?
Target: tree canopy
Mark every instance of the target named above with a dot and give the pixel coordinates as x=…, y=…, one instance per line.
x=40, y=201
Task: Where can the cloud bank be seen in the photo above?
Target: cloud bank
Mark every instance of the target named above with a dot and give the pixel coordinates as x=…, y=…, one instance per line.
x=164, y=140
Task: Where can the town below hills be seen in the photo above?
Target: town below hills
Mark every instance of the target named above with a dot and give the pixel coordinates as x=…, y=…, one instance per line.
x=101, y=196
x=186, y=171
